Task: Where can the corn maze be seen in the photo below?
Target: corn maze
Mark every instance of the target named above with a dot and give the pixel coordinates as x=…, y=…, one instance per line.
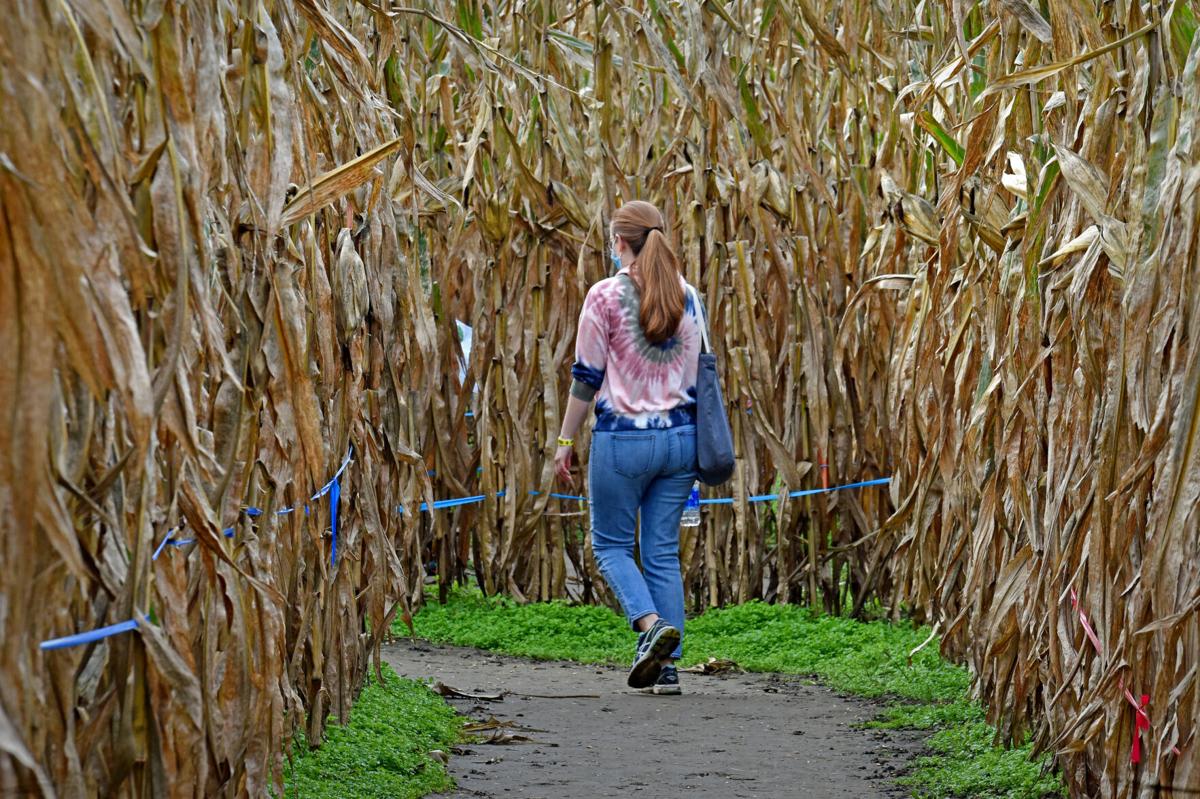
x=956, y=244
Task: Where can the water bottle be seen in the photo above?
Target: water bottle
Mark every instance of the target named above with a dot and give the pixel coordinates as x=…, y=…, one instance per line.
x=691, y=511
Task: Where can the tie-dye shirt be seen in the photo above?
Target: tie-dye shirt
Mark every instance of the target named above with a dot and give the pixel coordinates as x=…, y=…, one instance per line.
x=636, y=384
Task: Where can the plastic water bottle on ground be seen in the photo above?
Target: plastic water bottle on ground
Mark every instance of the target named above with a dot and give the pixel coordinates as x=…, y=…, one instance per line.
x=691, y=511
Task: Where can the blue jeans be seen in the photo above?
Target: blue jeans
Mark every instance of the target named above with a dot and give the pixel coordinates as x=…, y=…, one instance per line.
x=651, y=471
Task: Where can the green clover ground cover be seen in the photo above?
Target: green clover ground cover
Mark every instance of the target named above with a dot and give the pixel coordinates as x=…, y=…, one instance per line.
x=864, y=658
x=383, y=751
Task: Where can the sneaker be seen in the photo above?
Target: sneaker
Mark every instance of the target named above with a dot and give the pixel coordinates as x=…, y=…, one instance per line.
x=654, y=646
x=667, y=683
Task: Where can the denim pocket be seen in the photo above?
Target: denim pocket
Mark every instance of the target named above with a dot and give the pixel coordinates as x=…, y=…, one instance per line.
x=685, y=448
x=633, y=453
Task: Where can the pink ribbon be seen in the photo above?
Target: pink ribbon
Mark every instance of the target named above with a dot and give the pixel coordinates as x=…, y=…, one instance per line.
x=1083, y=619
x=1141, y=720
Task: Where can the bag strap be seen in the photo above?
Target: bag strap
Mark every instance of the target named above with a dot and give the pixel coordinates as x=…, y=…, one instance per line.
x=702, y=317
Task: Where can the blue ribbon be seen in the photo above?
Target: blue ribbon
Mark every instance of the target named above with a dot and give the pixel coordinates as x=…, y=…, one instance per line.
x=164, y=543
x=441, y=504
x=325, y=489
x=807, y=492
x=253, y=512
x=335, y=496
x=91, y=635
x=568, y=497
x=334, y=489
x=793, y=494
x=451, y=503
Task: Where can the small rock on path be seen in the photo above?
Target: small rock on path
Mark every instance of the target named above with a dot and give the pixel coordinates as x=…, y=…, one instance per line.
x=741, y=735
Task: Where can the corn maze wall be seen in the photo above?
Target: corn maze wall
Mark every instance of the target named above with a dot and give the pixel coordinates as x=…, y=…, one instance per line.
x=955, y=243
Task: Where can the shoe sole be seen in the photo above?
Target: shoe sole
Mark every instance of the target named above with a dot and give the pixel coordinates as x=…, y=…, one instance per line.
x=663, y=690
x=646, y=671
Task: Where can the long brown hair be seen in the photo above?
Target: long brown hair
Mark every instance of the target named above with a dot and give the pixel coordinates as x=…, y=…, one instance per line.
x=641, y=225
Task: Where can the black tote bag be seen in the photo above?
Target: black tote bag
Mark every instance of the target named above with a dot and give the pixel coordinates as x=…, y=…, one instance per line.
x=714, y=441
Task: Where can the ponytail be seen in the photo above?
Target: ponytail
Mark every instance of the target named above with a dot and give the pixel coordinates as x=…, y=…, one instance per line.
x=662, y=296
x=641, y=225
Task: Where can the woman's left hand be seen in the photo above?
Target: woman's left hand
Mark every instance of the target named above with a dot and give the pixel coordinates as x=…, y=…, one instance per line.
x=562, y=464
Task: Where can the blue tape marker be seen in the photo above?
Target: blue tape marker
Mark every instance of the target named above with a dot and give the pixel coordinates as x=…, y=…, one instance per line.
x=255, y=512
x=472, y=500
x=228, y=532
x=446, y=503
x=569, y=497
x=90, y=636
x=164, y=543
x=332, y=487
x=454, y=503
x=335, y=496
x=793, y=494
x=881, y=481
x=325, y=489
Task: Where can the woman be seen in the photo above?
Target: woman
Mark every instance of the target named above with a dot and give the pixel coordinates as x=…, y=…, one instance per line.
x=636, y=352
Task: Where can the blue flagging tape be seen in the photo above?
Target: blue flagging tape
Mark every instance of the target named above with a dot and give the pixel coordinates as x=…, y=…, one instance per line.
x=228, y=532
x=793, y=494
x=334, y=489
x=442, y=504
x=864, y=484
x=325, y=489
x=88, y=637
x=166, y=540
x=335, y=496
x=452, y=503
x=566, y=497
x=183, y=542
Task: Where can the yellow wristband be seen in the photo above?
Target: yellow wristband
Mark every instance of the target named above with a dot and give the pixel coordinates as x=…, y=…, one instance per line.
x=566, y=442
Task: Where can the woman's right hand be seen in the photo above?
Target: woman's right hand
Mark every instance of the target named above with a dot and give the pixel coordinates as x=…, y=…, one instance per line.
x=562, y=464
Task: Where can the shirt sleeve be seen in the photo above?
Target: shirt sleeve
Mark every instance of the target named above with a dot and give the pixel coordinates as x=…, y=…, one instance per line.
x=591, y=348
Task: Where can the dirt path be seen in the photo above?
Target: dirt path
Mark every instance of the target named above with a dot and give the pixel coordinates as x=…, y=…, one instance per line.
x=743, y=735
